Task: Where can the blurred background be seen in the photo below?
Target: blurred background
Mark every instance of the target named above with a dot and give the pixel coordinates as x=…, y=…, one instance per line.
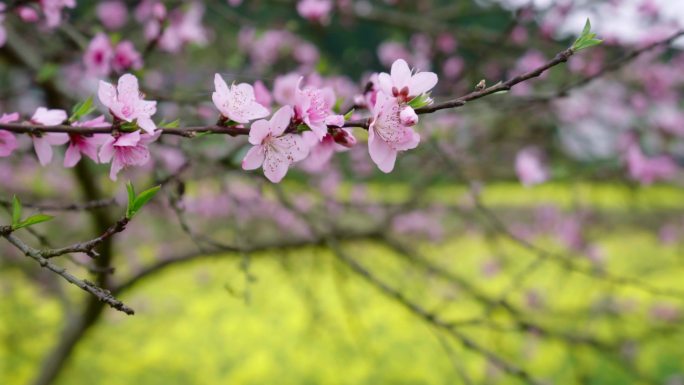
x=533, y=237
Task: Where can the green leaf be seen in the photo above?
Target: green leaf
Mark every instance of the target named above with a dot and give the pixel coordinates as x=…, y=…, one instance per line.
x=143, y=198
x=82, y=109
x=47, y=72
x=420, y=101
x=16, y=211
x=173, y=124
x=302, y=128
x=586, y=39
x=349, y=114
x=131, y=199
x=32, y=220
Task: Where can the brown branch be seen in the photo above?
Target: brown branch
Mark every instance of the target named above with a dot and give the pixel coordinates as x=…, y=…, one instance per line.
x=103, y=295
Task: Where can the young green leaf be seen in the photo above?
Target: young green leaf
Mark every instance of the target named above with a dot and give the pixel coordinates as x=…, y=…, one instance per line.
x=82, y=109
x=16, y=211
x=32, y=220
x=143, y=198
x=349, y=114
x=586, y=39
x=420, y=101
x=131, y=199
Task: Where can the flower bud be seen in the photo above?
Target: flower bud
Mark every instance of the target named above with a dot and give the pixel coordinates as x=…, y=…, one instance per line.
x=408, y=116
x=344, y=138
x=334, y=120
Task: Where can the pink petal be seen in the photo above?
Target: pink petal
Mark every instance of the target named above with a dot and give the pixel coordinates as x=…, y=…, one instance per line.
x=292, y=146
x=254, y=158
x=401, y=74
x=275, y=167
x=146, y=124
x=381, y=153
x=128, y=88
x=116, y=167
x=221, y=86
x=422, y=82
x=281, y=120
x=71, y=156
x=43, y=150
x=107, y=94
x=8, y=143
x=258, y=131
x=385, y=83
x=49, y=117
x=56, y=138
x=107, y=150
x=128, y=140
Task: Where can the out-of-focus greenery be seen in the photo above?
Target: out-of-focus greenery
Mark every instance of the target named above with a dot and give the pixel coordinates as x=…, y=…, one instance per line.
x=304, y=318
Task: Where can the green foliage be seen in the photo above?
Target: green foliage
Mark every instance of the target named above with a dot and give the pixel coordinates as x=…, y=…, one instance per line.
x=586, y=39
x=420, y=101
x=18, y=223
x=136, y=202
x=82, y=109
x=171, y=124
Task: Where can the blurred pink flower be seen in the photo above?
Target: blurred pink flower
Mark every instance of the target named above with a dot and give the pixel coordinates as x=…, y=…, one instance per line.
x=285, y=88
x=530, y=167
x=262, y=94
x=316, y=11
x=237, y=103
x=97, y=58
x=387, y=135
x=272, y=148
x=403, y=84
x=53, y=10
x=8, y=142
x=649, y=170
x=112, y=14
x=126, y=57
x=125, y=102
x=184, y=28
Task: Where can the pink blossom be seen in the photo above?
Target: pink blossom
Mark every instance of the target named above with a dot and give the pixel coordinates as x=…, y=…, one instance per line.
x=126, y=57
x=285, y=88
x=112, y=14
x=649, y=170
x=391, y=51
x=316, y=11
x=28, y=14
x=408, y=116
x=53, y=10
x=387, y=135
x=446, y=43
x=452, y=67
x=262, y=95
x=273, y=149
x=126, y=150
x=403, y=84
x=8, y=142
x=321, y=151
x=313, y=107
x=184, y=28
x=84, y=144
x=43, y=143
x=126, y=102
x=529, y=167
x=237, y=103
x=98, y=56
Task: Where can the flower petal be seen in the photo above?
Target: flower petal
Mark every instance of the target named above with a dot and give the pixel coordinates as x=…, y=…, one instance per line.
x=401, y=74
x=254, y=158
x=107, y=94
x=72, y=156
x=422, y=82
x=381, y=153
x=281, y=120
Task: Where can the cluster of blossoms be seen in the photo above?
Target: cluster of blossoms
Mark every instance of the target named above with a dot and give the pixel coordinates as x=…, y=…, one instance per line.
x=51, y=10
x=306, y=126
x=102, y=57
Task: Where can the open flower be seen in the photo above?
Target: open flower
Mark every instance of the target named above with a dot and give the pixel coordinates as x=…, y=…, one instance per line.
x=8, y=142
x=98, y=56
x=273, y=149
x=387, y=135
x=403, y=84
x=126, y=102
x=313, y=106
x=238, y=102
x=530, y=167
x=126, y=150
x=43, y=143
x=321, y=151
x=84, y=144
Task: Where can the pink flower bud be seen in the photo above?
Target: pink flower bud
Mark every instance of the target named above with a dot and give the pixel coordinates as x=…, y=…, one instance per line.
x=28, y=14
x=408, y=117
x=334, y=120
x=344, y=137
